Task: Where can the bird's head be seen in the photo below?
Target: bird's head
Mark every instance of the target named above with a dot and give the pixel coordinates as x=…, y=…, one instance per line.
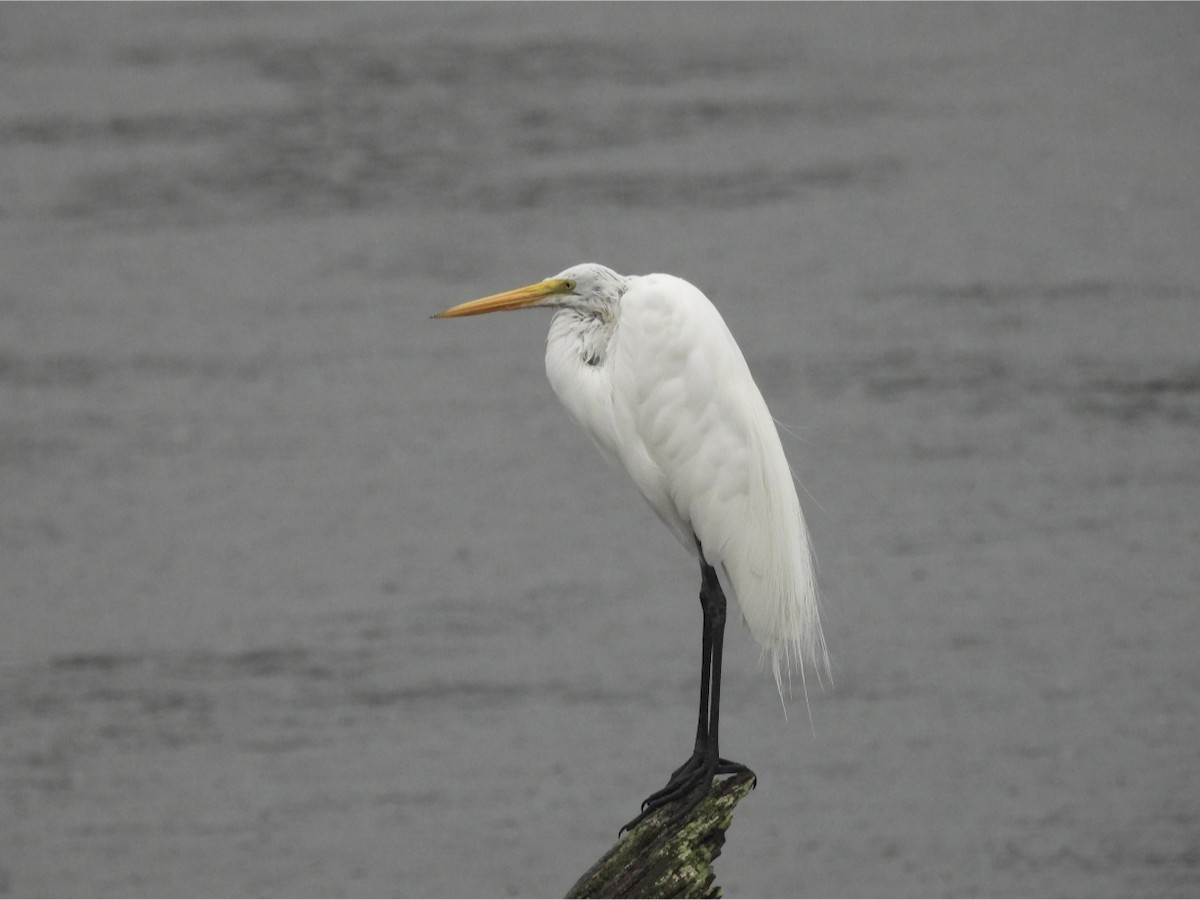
x=589, y=288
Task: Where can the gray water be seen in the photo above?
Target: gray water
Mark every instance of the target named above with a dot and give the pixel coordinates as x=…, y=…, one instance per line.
x=306, y=594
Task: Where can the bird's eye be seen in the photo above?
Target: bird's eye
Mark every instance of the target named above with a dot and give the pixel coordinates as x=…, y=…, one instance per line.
x=569, y=284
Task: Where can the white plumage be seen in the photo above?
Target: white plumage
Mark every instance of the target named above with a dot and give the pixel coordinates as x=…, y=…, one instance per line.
x=647, y=366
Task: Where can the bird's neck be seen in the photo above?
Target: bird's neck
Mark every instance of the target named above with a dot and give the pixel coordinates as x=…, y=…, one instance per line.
x=582, y=336
x=578, y=365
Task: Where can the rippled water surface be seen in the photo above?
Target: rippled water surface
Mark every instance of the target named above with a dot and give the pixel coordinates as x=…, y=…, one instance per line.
x=305, y=594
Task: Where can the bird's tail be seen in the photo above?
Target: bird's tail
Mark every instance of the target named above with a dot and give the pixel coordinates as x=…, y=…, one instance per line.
x=774, y=574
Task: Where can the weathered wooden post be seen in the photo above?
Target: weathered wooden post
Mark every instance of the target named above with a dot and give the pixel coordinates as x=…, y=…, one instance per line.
x=661, y=859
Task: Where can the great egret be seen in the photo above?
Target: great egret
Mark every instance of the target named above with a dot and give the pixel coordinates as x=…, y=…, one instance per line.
x=646, y=365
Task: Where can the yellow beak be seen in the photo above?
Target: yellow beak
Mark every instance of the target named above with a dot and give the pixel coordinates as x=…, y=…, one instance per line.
x=530, y=295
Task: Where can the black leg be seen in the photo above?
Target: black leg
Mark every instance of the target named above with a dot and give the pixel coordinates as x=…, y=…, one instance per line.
x=693, y=780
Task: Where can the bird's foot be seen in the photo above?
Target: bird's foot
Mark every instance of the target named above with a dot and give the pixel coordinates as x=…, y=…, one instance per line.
x=691, y=775
x=690, y=783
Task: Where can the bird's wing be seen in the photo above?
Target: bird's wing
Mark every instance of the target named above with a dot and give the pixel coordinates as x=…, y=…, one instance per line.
x=697, y=438
x=672, y=369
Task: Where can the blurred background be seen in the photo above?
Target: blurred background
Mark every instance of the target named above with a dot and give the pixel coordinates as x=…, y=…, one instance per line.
x=302, y=593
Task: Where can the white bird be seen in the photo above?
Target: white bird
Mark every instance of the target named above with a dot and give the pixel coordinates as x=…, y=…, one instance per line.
x=646, y=365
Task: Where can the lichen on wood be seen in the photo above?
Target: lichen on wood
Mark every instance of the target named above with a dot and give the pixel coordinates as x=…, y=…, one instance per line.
x=662, y=858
